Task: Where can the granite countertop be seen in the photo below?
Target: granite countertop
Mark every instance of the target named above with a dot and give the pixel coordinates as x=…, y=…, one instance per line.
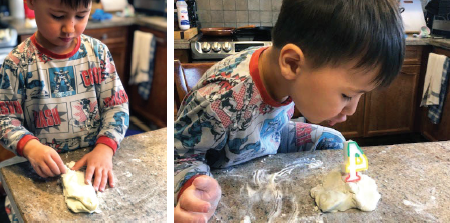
x=412, y=179
x=185, y=44
x=156, y=22
x=140, y=192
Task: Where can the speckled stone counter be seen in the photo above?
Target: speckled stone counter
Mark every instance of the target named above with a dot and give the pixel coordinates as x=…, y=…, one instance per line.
x=443, y=43
x=140, y=192
x=184, y=44
x=413, y=180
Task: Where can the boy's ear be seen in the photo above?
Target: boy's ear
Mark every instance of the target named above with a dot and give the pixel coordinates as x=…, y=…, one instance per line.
x=291, y=61
x=30, y=4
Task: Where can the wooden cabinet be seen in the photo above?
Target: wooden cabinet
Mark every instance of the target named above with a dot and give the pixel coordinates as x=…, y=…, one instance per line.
x=184, y=55
x=155, y=108
x=440, y=131
x=392, y=110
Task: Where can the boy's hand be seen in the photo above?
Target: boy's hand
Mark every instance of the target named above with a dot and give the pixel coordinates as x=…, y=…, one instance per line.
x=99, y=162
x=199, y=201
x=44, y=159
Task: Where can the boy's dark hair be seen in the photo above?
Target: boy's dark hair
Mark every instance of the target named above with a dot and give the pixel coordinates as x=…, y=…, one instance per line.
x=330, y=32
x=74, y=4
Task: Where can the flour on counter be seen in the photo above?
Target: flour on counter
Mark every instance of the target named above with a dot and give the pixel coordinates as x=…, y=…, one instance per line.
x=80, y=197
x=337, y=195
x=246, y=220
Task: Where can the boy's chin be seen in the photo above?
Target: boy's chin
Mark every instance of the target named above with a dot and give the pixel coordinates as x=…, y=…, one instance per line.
x=313, y=121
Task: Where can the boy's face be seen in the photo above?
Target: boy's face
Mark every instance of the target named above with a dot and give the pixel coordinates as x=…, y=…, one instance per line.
x=59, y=25
x=330, y=94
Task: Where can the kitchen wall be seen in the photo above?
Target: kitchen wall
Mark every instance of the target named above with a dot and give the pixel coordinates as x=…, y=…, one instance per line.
x=237, y=13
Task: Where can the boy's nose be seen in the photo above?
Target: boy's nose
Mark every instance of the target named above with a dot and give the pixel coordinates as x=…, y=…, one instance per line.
x=68, y=27
x=350, y=109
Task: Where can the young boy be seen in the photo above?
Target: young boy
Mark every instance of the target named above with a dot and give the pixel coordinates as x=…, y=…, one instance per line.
x=60, y=91
x=325, y=55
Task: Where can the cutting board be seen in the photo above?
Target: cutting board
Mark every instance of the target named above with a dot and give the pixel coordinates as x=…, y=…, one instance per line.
x=413, y=18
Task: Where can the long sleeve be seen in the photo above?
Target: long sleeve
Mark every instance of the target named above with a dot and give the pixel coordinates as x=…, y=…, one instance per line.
x=299, y=136
x=114, y=109
x=198, y=133
x=12, y=113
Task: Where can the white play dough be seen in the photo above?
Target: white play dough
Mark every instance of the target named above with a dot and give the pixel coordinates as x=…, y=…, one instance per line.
x=337, y=195
x=80, y=197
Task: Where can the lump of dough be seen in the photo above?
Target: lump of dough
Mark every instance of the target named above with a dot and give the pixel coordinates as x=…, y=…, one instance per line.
x=337, y=195
x=80, y=197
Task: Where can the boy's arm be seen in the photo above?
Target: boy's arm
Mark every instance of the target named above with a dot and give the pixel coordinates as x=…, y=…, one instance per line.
x=299, y=136
x=197, y=130
x=13, y=135
x=113, y=103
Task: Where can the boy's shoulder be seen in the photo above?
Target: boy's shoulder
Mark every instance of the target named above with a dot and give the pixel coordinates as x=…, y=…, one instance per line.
x=20, y=52
x=235, y=67
x=226, y=77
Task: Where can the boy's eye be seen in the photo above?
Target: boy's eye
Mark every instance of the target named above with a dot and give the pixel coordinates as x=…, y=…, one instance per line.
x=347, y=98
x=57, y=17
x=80, y=17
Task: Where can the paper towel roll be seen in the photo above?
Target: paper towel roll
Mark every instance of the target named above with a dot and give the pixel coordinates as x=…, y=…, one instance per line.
x=17, y=9
x=114, y=5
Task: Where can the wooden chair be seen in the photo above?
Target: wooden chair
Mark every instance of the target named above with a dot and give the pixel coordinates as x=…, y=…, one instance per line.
x=5, y=154
x=186, y=77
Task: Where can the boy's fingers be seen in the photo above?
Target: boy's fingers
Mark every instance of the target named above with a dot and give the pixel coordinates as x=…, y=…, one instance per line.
x=89, y=173
x=57, y=159
x=97, y=178
x=204, y=183
x=181, y=215
x=104, y=180
x=39, y=171
x=192, y=203
x=45, y=170
x=52, y=166
x=79, y=164
x=111, y=178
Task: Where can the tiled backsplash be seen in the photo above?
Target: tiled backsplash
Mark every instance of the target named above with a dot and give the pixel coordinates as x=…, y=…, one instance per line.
x=237, y=13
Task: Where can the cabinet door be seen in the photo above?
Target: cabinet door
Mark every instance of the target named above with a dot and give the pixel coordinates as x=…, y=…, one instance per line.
x=119, y=55
x=155, y=108
x=440, y=131
x=391, y=110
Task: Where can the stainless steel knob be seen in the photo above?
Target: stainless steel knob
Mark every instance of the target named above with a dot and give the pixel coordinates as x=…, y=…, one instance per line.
x=227, y=47
x=206, y=47
x=216, y=47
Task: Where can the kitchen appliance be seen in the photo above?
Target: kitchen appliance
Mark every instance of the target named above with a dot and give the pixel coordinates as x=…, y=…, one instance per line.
x=412, y=15
x=213, y=48
x=150, y=7
x=438, y=16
